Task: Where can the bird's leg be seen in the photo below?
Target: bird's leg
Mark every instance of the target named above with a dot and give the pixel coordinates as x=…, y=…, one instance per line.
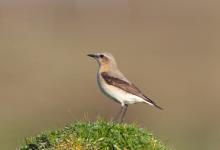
x=118, y=114
x=123, y=113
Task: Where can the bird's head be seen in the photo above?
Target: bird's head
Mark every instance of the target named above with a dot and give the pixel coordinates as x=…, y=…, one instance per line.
x=104, y=59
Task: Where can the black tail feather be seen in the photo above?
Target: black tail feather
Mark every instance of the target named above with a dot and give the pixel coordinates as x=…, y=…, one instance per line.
x=152, y=102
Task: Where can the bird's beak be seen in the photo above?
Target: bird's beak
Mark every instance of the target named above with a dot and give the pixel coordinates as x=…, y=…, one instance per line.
x=92, y=55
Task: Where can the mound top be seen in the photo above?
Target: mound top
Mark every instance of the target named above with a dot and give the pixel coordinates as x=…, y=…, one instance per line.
x=95, y=135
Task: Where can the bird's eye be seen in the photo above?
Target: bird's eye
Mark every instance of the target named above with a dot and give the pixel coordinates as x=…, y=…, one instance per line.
x=101, y=56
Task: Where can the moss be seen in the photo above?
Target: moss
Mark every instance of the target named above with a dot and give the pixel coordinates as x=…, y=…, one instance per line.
x=95, y=135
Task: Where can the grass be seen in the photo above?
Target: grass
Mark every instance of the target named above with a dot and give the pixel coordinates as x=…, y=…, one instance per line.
x=95, y=136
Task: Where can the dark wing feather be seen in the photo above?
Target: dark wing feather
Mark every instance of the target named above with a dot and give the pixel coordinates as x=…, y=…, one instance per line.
x=128, y=87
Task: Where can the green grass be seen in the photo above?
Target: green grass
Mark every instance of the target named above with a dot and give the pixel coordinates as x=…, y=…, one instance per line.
x=93, y=136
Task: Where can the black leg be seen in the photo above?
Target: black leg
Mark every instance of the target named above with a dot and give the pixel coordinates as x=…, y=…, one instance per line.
x=118, y=114
x=123, y=113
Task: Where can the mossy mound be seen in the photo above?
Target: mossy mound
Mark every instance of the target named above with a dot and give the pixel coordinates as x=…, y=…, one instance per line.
x=93, y=136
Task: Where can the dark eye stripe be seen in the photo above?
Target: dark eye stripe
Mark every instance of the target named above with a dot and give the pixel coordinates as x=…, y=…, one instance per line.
x=102, y=56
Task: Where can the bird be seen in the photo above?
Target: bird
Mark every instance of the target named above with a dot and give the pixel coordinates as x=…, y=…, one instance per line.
x=115, y=85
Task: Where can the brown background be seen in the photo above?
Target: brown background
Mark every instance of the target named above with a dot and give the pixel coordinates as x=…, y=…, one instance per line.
x=170, y=49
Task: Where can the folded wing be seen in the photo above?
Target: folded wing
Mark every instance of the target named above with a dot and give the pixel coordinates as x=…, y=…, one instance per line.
x=128, y=87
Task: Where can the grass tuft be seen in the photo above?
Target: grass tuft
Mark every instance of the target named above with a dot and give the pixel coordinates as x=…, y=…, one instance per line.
x=95, y=135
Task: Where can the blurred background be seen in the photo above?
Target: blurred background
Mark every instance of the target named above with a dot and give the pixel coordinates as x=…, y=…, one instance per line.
x=170, y=49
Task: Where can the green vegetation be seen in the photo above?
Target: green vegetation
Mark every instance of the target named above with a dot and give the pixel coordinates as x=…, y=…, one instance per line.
x=93, y=136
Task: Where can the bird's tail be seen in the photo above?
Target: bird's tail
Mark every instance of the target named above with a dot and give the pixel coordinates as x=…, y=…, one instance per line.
x=152, y=103
x=158, y=106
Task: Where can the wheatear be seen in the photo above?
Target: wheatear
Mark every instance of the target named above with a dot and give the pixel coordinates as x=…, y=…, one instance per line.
x=115, y=85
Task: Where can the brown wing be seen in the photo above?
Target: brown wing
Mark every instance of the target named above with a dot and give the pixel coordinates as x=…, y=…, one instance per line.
x=128, y=87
